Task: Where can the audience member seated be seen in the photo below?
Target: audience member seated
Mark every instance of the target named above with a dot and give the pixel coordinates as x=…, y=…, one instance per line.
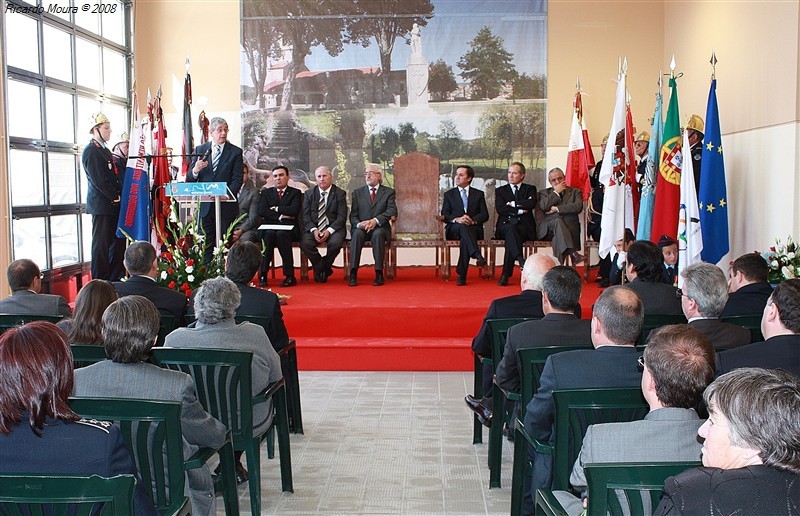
x=130, y=328
x=616, y=323
x=25, y=281
x=643, y=270
x=280, y=205
x=748, y=288
x=669, y=249
x=324, y=220
x=618, y=260
x=678, y=366
x=244, y=259
x=750, y=453
x=780, y=325
x=464, y=211
x=703, y=297
x=142, y=266
x=372, y=207
x=39, y=433
x=557, y=217
x=527, y=303
x=515, y=204
x=248, y=197
x=215, y=307
x=86, y=324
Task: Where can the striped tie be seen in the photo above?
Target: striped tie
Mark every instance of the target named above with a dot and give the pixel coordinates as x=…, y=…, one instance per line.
x=215, y=158
x=322, y=219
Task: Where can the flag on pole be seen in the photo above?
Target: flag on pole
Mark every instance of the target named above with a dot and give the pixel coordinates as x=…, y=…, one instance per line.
x=631, y=184
x=668, y=191
x=649, y=187
x=690, y=234
x=134, y=211
x=612, y=175
x=577, y=173
x=161, y=203
x=713, y=192
x=188, y=139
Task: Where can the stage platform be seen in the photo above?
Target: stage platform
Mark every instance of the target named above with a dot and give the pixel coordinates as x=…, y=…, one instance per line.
x=416, y=322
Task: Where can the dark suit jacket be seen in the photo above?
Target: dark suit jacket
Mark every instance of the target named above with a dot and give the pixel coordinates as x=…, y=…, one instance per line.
x=657, y=298
x=80, y=448
x=168, y=301
x=527, y=303
x=752, y=490
x=779, y=352
x=229, y=170
x=721, y=334
x=669, y=277
x=105, y=182
x=288, y=207
x=552, y=330
x=525, y=200
x=27, y=302
x=264, y=303
x=453, y=208
x=335, y=209
x=384, y=207
x=748, y=300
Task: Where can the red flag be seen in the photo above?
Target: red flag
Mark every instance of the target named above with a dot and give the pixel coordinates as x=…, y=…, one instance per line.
x=577, y=169
x=630, y=167
x=668, y=191
x=161, y=203
x=188, y=138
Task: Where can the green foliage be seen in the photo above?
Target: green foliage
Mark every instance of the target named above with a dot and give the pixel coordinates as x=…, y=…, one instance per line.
x=449, y=141
x=487, y=66
x=527, y=87
x=441, y=80
x=406, y=133
x=387, y=143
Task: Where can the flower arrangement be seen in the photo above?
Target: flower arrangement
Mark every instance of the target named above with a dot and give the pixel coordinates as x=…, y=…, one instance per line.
x=783, y=261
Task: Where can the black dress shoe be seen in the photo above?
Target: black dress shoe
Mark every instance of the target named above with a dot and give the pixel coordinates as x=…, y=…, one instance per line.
x=577, y=258
x=378, y=279
x=353, y=282
x=241, y=474
x=483, y=414
x=263, y=282
x=480, y=261
x=323, y=277
x=503, y=281
x=461, y=281
x=289, y=281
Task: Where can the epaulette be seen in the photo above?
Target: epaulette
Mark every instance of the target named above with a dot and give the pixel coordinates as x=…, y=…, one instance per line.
x=100, y=425
x=96, y=143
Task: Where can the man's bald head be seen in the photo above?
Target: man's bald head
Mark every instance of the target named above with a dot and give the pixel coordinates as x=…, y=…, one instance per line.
x=535, y=268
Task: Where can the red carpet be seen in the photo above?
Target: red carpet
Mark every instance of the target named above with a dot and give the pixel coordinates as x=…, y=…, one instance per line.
x=416, y=322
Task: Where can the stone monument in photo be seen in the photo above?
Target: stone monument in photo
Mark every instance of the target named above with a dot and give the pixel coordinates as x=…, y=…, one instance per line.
x=417, y=71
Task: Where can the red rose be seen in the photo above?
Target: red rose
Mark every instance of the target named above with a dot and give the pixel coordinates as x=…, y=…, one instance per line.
x=202, y=269
x=772, y=249
x=167, y=256
x=189, y=262
x=188, y=292
x=170, y=271
x=185, y=286
x=171, y=284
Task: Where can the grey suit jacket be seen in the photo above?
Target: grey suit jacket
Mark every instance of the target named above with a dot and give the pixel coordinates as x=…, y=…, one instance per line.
x=27, y=302
x=147, y=381
x=382, y=209
x=570, y=205
x=266, y=364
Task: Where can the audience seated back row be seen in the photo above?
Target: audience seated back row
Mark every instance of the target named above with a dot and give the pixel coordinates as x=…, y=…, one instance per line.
x=25, y=281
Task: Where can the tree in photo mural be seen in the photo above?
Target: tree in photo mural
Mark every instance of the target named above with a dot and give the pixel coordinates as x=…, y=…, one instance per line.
x=259, y=41
x=385, y=21
x=441, y=80
x=488, y=66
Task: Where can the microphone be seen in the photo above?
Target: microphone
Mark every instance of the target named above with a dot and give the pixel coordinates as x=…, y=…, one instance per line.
x=207, y=155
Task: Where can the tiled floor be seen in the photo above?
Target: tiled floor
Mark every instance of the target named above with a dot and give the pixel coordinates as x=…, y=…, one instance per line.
x=384, y=443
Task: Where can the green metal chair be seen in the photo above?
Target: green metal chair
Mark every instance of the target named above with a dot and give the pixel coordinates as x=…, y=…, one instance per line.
x=623, y=488
x=575, y=411
x=653, y=321
x=87, y=354
x=751, y=322
x=166, y=325
x=66, y=494
x=498, y=329
x=224, y=387
x=152, y=431
x=288, y=367
x=10, y=320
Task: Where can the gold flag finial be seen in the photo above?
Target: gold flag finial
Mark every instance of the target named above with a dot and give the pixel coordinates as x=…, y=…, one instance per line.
x=713, y=62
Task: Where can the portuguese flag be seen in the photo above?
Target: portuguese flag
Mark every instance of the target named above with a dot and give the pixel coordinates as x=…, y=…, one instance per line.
x=668, y=184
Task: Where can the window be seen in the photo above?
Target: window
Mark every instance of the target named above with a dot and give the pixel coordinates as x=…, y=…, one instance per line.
x=62, y=68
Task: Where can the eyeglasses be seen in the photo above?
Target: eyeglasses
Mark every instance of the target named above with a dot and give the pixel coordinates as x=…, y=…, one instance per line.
x=641, y=363
x=41, y=275
x=679, y=293
x=371, y=173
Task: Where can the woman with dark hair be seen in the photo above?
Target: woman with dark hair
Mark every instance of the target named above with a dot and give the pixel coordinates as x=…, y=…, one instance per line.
x=39, y=433
x=86, y=324
x=751, y=449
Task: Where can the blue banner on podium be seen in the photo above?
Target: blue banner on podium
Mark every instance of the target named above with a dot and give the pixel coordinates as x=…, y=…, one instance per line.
x=197, y=189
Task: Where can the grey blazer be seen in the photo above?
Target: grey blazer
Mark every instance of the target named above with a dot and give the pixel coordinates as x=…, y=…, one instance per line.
x=30, y=303
x=382, y=209
x=266, y=364
x=148, y=381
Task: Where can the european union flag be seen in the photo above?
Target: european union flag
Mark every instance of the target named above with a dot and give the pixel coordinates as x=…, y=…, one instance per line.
x=713, y=197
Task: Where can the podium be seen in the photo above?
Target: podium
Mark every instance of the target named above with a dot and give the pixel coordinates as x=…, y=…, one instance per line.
x=194, y=193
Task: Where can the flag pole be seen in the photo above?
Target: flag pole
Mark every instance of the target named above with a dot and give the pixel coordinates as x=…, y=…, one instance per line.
x=627, y=151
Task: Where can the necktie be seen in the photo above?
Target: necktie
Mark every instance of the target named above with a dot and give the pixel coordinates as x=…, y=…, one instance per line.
x=464, y=199
x=280, y=195
x=322, y=219
x=215, y=158
x=372, y=194
x=516, y=191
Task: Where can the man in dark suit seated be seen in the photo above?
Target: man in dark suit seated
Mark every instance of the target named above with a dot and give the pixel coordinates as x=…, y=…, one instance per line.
x=324, y=219
x=643, y=270
x=527, y=303
x=280, y=205
x=372, y=207
x=703, y=296
x=142, y=266
x=616, y=323
x=559, y=208
x=464, y=211
x=25, y=280
x=748, y=289
x=780, y=325
x=515, y=204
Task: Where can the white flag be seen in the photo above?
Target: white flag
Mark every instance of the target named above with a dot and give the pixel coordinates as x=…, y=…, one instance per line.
x=690, y=236
x=612, y=175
